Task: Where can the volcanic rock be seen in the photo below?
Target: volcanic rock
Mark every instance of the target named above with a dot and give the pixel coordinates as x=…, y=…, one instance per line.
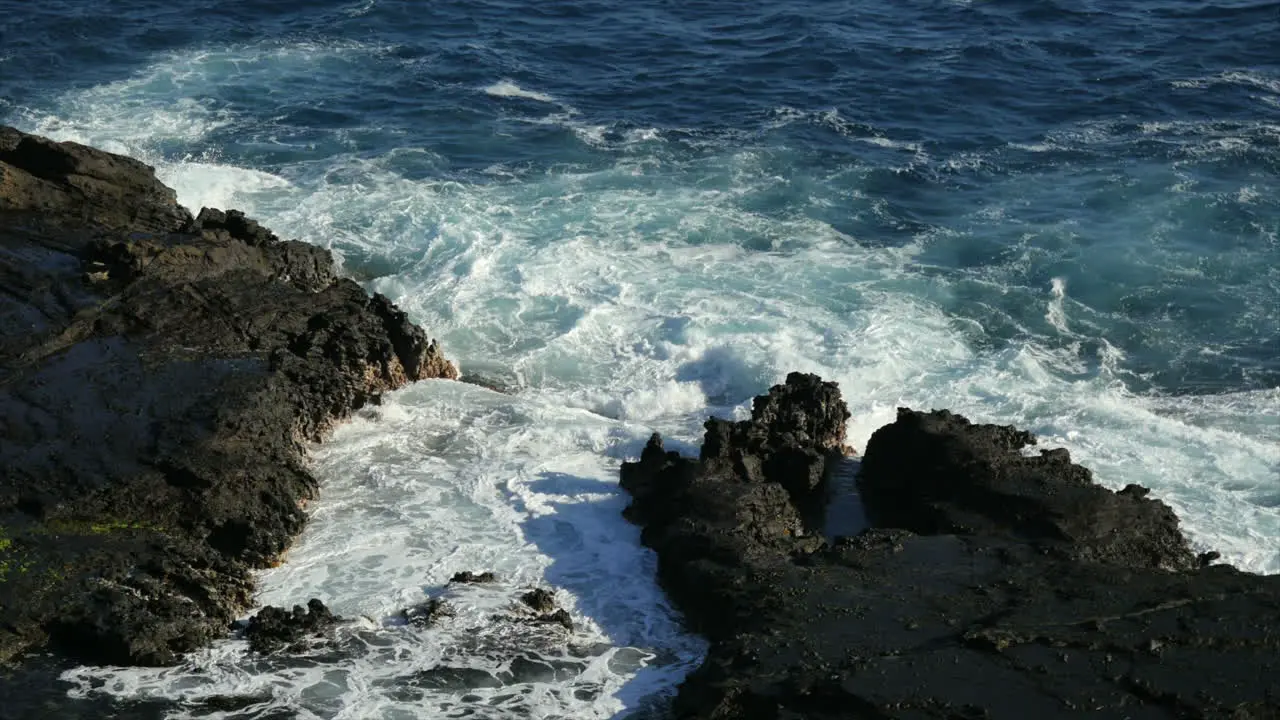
x=540, y=599
x=160, y=378
x=274, y=629
x=935, y=473
x=995, y=584
x=470, y=578
x=543, y=602
x=560, y=617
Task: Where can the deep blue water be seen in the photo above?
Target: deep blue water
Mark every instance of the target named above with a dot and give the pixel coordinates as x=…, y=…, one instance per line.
x=1064, y=215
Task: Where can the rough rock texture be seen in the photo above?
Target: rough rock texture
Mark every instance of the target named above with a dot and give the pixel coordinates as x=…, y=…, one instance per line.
x=274, y=628
x=998, y=585
x=935, y=473
x=559, y=617
x=160, y=376
x=467, y=577
x=543, y=603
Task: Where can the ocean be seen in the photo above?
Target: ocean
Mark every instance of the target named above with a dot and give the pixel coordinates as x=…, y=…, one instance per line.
x=1060, y=214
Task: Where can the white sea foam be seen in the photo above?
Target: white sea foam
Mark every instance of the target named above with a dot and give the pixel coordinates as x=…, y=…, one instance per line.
x=1056, y=315
x=1242, y=78
x=1034, y=147
x=100, y=117
x=443, y=478
x=832, y=119
x=360, y=9
x=509, y=89
x=171, y=102
x=173, y=99
x=663, y=313
x=202, y=184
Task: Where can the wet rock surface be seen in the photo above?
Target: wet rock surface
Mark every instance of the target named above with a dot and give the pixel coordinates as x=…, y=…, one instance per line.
x=540, y=599
x=160, y=378
x=274, y=629
x=471, y=578
x=543, y=603
x=995, y=583
x=559, y=617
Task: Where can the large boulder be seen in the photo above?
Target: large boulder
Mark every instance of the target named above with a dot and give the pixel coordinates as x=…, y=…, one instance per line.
x=160, y=378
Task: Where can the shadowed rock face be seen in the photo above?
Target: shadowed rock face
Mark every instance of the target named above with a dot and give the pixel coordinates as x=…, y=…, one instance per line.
x=160, y=376
x=935, y=473
x=995, y=584
x=468, y=577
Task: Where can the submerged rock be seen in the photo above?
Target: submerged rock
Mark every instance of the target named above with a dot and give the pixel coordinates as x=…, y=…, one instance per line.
x=995, y=584
x=497, y=382
x=540, y=599
x=470, y=578
x=560, y=617
x=274, y=629
x=428, y=613
x=160, y=378
x=543, y=602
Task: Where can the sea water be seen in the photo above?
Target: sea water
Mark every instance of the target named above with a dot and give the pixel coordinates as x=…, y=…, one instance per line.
x=628, y=216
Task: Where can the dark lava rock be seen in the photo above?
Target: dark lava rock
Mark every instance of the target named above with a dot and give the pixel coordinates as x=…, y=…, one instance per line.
x=490, y=381
x=559, y=617
x=543, y=602
x=468, y=577
x=428, y=613
x=540, y=599
x=935, y=473
x=997, y=585
x=274, y=629
x=160, y=378
x=791, y=431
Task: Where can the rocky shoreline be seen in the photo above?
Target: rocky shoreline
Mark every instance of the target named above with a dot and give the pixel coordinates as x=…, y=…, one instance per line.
x=162, y=375
x=993, y=583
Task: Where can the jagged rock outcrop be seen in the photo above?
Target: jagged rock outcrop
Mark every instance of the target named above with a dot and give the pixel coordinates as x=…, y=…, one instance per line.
x=274, y=629
x=160, y=377
x=743, y=501
x=996, y=585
